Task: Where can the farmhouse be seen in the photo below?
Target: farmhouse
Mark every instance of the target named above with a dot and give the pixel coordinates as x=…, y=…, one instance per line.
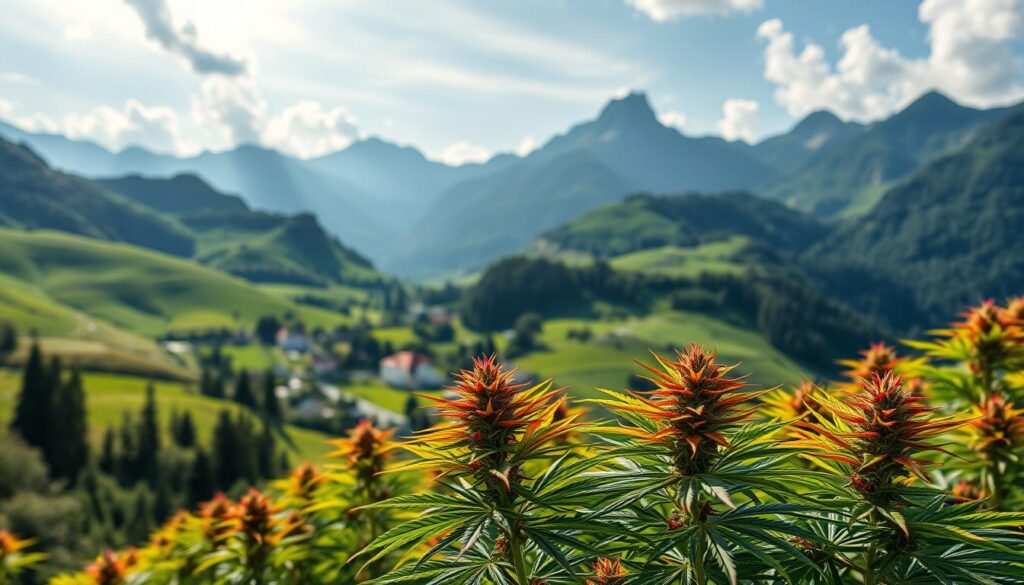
x=409, y=369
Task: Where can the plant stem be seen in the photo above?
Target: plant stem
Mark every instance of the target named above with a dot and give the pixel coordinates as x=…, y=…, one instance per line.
x=522, y=576
x=700, y=576
x=869, y=566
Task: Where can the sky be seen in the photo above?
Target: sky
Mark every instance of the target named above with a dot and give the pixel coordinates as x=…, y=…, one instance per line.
x=465, y=79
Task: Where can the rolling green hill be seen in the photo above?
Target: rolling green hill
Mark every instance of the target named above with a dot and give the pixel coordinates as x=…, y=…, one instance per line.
x=644, y=222
x=179, y=194
x=138, y=290
x=32, y=195
x=948, y=236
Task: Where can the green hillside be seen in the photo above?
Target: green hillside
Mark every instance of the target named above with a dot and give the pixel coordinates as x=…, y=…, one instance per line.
x=720, y=256
x=644, y=221
x=848, y=175
x=144, y=292
x=109, y=395
x=183, y=193
x=947, y=237
x=32, y=195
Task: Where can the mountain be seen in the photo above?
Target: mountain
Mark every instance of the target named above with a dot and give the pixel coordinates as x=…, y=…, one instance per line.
x=184, y=193
x=847, y=178
x=398, y=177
x=625, y=150
x=32, y=195
x=947, y=236
x=643, y=222
x=819, y=130
x=258, y=246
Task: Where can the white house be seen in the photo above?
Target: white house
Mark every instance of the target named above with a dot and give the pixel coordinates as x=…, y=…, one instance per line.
x=408, y=369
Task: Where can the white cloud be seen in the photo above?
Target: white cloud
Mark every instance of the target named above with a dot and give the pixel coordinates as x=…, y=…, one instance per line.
x=135, y=124
x=527, y=145
x=233, y=108
x=464, y=152
x=673, y=119
x=971, y=59
x=739, y=120
x=663, y=10
x=306, y=129
x=183, y=40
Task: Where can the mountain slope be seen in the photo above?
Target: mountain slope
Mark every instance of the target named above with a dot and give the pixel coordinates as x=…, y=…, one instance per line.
x=816, y=132
x=179, y=194
x=141, y=291
x=847, y=178
x=948, y=236
x=258, y=246
x=624, y=151
x=643, y=222
x=32, y=195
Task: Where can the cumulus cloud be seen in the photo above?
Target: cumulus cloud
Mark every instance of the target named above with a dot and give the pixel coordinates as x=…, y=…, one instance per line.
x=233, y=108
x=673, y=119
x=183, y=40
x=134, y=124
x=463, y=152
x=971, y=59
x=663, y=10
x=739, y=120
x=306, y=129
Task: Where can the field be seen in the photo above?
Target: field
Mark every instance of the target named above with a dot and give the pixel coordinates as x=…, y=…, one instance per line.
x=606, y=360
x=108, y=396
x=383, y=395
x=717, y=256
x=141, y=291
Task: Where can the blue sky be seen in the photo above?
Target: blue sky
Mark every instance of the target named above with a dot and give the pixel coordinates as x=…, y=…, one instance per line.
x=465, y=79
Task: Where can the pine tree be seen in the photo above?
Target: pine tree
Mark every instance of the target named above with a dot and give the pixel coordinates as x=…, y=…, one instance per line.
x=164, y=504
x=271, y=405
x=185, y=432
x=69, y=448
x=8, y=338
x=217, y=386
x=126, y=467
x=201, y=486
x=148, y=444
x=266, y=454
x=243, y=391
x=34, y=401
x=108, y=454
x=225, y=451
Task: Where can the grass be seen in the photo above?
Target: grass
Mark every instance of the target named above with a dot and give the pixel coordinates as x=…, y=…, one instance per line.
x=718, y=257
x=383, y=395
x=139, y=290
x=253, y=357
x=108, y=396
x=606, y=361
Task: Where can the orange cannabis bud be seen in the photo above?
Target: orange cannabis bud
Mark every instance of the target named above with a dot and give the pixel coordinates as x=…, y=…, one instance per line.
x=10, y=544
x=256, y=516
x=999, y=428
x=304, y=481
x=878, y=358
x=791, y=404
x=111, y=568
x=693, y=402
x=220, y=518
x=608, y=572
x=365, y=449
x=878, y=430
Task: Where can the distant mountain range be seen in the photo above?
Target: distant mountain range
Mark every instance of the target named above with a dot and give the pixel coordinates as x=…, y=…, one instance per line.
x=182, y=216
x=419, y=218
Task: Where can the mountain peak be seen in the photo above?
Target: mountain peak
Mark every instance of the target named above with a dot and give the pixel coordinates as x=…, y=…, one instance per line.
x=632, y=108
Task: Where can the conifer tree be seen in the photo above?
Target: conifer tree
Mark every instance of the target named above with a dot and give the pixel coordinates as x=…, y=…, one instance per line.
x=225, y=451
x=126, y=467
x=148, y=444
x=140, y=518
x=217, y=386
x=108, y=454
x=185, y=432
x=34, y=401
x=68, y=451
x=201, y=486
x=266, y=454
x=243, y=391
x=164, y=503
x=8, y=338
x=271, y=405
